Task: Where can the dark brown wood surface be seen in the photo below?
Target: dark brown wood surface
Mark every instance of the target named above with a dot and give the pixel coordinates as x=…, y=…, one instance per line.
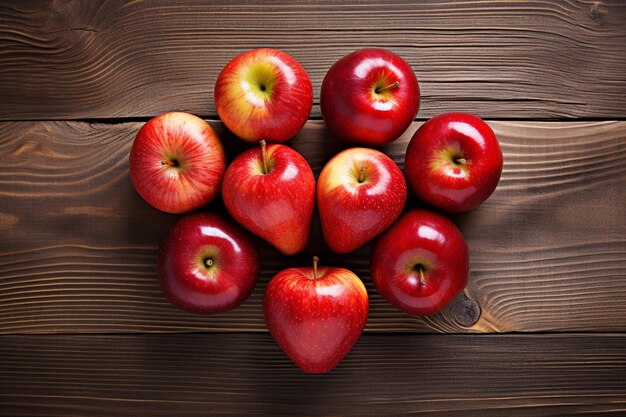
x=78, y=294
x=247, y=375
x=547, y=249
x=96, y=59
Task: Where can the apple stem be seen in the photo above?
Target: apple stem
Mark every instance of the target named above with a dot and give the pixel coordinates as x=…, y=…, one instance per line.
x=460, y=161
x=362, y=173
x=388, y=87
x=315, y=261
x=420, y=268
x=168, y=163
x=208, y=262
x=263, y=156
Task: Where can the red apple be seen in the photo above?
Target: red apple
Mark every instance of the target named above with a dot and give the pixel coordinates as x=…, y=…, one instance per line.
x=421, y=263
x=264, y=94
x=453, y=162
x=176, y=162
x=206, y=264
x=360, y=193
x=271, y=192
x=316, y=315
x=369, y=97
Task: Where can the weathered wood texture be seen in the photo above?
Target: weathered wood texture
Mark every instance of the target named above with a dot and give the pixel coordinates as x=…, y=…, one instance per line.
x=530, y=59
x=548, y=249
x=248, y=375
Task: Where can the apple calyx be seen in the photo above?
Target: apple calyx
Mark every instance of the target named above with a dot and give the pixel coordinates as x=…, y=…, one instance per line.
x=209, y=262
x=169, y=163
x=391, y=86
x=316, y=259
x=460, y=161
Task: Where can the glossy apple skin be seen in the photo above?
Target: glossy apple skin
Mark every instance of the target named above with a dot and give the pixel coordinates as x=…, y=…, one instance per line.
x=353, y=110
x=276, y=206
x=191, y=143
x=352, y=212
x=430, y=165
x=264, y=94
x=420, y=237
x=186, y=280
x=316, y=321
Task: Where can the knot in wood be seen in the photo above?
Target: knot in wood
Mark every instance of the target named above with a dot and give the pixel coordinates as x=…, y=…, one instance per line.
x=467, y=312
x=595, y=13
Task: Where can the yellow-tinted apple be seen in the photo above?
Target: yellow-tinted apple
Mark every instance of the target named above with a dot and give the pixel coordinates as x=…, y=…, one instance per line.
x=360, y=193
x=264, y=94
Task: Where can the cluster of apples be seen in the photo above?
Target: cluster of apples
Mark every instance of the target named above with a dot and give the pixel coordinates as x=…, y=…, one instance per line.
x=207, y=264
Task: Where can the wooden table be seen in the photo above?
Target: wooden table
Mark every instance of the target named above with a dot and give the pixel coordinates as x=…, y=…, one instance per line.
x=85, y=329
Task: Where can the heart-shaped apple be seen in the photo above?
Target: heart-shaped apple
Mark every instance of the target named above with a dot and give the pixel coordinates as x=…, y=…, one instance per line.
x=270, y=190
x=316, y=315
x=360, y=193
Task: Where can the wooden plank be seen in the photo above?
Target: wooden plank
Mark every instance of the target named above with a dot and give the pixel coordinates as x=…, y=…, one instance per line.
x=248, y=375
x=530, y=59
x=78, y=247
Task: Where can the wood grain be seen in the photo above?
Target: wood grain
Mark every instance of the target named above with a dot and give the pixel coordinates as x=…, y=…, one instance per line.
x=248, y=375
x=78, y=246
x=522, y=59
